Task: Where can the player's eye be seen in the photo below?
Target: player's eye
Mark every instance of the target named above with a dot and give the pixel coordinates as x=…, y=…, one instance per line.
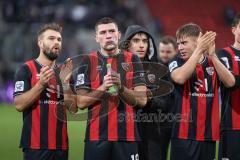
x=145, y=41
x=135, y=40
x=112, y=31
x=51, y=38
x=102, y=32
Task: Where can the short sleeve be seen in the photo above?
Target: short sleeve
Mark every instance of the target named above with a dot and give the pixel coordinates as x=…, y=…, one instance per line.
x=175, y=63
x=22, y=80
x=81, y=76
x=225, y=58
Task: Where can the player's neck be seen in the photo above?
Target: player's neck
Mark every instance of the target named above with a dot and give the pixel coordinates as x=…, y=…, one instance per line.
x=236, y=45
x=109, y=53
x=44, y=61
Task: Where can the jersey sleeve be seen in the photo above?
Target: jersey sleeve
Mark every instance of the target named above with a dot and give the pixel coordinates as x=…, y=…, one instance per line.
x=22, y=80
x=138, y=72
x=175, y=63
x=225, y=58
x=81, y=76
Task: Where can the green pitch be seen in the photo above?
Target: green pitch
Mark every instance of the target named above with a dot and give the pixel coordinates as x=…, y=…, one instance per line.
x=10, y=132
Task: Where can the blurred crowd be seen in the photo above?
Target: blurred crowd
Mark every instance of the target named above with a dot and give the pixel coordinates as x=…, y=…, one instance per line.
x=20, y=20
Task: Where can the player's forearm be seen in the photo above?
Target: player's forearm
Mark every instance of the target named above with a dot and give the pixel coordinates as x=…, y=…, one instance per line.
x=70, y=99
x=25, y=100
x=86, y=98
x=224, y=74
x=134, y=97
x=183, y=73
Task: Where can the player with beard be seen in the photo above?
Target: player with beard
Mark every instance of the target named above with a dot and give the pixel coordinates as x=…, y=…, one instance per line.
x=39, y=95
x=111, y=132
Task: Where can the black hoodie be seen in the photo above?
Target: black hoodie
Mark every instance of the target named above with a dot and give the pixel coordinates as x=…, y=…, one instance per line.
x=148, y=130
x=151, y=56
x=130, y=32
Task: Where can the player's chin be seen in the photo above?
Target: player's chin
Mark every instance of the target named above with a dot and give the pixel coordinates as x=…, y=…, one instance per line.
x=56, y=52
x=110, y=47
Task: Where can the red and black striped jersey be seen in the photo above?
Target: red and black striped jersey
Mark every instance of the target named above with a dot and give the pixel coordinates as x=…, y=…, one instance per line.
x=196, y=103
x=44, y=122
x=230, y=115
x=110, y=119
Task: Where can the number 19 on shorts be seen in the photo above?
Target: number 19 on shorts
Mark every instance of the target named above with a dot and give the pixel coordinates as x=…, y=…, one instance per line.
x=134, y=157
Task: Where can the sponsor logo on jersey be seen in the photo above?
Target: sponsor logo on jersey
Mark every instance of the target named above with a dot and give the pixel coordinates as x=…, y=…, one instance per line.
x=173, y=65
x=19, y=86
x=210, y=70
x=80, y=79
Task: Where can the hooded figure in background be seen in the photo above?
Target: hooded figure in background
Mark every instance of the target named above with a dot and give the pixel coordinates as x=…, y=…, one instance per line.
x=139, y=41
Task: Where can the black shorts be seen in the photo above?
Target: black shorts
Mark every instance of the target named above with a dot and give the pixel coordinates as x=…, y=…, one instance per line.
x=107, y=150
x=44, y=154
x=229, y=146
x=192, y=150
x=155, y=147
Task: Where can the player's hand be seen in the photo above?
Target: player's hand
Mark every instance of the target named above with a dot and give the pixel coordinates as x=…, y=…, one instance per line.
x=204, y=41
x=110, y=80
x=46, y=73
x=211, y=49
x=66, y=71
x=116, y=80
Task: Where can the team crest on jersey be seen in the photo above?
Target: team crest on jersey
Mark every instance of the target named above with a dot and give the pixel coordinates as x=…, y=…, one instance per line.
x=80, y=79
x=126, y=66
x=19, y=86
x=151, y=78
x=210, y=70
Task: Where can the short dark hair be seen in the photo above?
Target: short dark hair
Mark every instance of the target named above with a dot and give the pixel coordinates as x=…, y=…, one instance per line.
x=236, y=20
x=105, y=20
x=169, y=39
x=189, y=30
x=49, y=26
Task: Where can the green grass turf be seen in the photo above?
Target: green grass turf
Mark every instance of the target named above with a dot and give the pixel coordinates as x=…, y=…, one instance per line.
x=10, y=132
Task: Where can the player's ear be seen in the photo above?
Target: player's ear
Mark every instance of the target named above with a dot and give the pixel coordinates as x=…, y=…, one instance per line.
x=233, y=30
x=96, y=38
x=39, y=42
x=119, y=35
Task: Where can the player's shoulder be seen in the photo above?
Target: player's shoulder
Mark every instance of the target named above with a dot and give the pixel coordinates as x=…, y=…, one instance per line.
x=175, y=62
x=177, y=58
x=128, y=53
x=24, y=67
x=134, y=57
x=224, y=52
x=93, y=53
x=22, y=71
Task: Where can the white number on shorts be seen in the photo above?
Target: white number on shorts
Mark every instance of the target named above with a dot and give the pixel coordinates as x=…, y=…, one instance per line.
x=135, y=157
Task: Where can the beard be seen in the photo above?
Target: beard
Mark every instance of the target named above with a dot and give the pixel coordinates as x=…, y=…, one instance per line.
x=49, y=53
